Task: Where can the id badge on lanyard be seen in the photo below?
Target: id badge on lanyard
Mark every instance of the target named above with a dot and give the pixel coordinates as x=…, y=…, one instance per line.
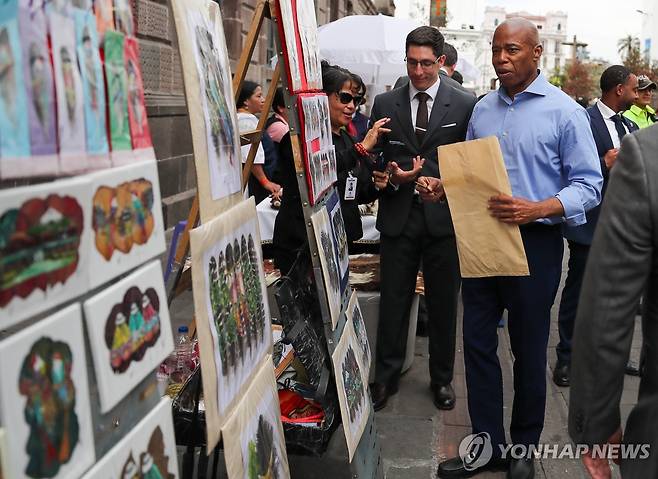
x=350, y=187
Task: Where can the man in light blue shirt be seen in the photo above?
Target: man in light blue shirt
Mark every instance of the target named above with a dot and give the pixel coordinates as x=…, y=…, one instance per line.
x=555, y=175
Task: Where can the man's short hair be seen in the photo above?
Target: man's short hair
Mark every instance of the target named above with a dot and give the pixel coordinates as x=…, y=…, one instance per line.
x=613, y=76
x=426, y=37
x=451, y=55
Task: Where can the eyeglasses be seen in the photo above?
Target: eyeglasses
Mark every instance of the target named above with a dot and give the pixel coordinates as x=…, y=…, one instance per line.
x=426, y=64
x=345, y=98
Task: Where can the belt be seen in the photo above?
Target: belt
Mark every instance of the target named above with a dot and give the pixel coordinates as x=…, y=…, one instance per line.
x=539, y=227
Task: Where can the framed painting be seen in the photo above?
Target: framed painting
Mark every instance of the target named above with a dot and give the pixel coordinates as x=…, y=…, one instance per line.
x=40, y=93
x=355, y=316
x=117, y=98
x=351, y=383
x=68, y=87
x=146, y=452
x=211, y=105
x=299, y=33
x=127, y=223
x=319, y=153
x=93, y=89
x=103, y=11
x=254, y=443
x=330, y=268
x=230, y=302
x=339, y=237
x=45, y=233
x=130, y=332
x=14, y=122
x=44, y=400
x=139, y=126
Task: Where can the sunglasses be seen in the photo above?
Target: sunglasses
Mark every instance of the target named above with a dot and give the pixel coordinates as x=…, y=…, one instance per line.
x=345, y=98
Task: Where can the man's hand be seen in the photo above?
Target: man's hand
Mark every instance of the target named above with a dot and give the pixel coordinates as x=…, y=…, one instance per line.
x=519, y=211
x=599, y=467
x=430, y=189
x=380, y=178
x=610, y=157
x=399, y=176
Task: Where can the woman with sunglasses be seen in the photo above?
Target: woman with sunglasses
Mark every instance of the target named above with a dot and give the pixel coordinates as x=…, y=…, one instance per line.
x=353, y=160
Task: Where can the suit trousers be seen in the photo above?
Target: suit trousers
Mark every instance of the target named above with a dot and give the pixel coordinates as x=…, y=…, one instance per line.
x=401, y=257
x=569, y=303
x=528, y=300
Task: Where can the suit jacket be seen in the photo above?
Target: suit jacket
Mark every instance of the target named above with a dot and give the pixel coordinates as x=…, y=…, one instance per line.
x=622, y=263
x=583, y=234
x=451, y=111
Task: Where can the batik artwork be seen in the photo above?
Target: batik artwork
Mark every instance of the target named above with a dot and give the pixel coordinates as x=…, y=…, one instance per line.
x=44, y=247
x=117, y=94
x=104, y=16
x=123, y=17
x=233, y=317
x=328, y=260
x=45, y=398
x=355, y=316
x=130, y=332
x=339, y=236
x=139, y=125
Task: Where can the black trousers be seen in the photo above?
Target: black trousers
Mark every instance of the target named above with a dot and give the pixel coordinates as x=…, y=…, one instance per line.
x=528, y=301
x=569, y=303
x=400, y=260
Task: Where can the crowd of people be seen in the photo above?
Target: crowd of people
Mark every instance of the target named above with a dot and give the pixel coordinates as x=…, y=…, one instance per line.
x=561, y=160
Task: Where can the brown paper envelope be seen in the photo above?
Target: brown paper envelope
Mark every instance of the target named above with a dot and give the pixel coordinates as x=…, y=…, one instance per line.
x=472, y=172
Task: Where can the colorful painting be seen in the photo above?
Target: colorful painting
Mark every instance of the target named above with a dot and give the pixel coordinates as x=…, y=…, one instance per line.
x=139, y=125
x=117, y=92
x=148, y=451
x=39, y=89
x=328, y=259
x=253, y=438
x=103, y=10
x=93, y=88
x=127, y=219
x=14, y=124
x=45, y=398
x=68, y=86
x=130, y=332
x=123, y=17
x=233, y=317
x=211, y=104
x=351, y=382
x=319, y=152
x=355, y=316
x=44, y=241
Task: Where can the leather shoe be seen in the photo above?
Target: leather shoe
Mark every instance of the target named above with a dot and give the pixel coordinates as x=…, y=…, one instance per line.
x=444, y=397
x=380, y=393
x=562, y=374
x=521, y=469
x=632, y=369
x=454, y=467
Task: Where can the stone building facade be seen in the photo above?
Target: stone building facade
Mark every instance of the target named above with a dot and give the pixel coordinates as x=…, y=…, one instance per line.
x=163, y=81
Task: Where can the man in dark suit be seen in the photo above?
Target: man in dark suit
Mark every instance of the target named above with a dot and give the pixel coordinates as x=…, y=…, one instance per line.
x=622, y=266
x=618, y=92
x=425, y=113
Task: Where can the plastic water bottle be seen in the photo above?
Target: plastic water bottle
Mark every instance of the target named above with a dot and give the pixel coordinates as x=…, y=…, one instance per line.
x=183, y=355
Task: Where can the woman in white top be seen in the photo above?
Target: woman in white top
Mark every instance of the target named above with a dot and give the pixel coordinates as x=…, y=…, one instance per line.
x=250, y=103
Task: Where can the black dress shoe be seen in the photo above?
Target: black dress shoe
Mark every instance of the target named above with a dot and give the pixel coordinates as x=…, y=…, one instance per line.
x=562, y=374
x=380, y=393
x=521, y=469
x=455, y=467
x=444, y=397
x=632, y=369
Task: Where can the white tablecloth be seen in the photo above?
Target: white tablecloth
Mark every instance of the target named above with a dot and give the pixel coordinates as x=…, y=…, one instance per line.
x=267, y=215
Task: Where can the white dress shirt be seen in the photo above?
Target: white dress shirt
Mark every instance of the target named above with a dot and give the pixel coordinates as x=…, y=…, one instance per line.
x=431, y=91
x=607, y=113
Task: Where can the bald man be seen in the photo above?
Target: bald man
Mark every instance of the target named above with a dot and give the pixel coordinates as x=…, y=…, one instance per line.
x=555, y=175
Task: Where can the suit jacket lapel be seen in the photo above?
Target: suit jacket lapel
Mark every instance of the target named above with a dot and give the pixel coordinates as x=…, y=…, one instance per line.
x=440, y=107
x=600, y=130
x=403, y=112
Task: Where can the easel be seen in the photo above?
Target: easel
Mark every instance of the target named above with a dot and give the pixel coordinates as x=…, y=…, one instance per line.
x=366, y=462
